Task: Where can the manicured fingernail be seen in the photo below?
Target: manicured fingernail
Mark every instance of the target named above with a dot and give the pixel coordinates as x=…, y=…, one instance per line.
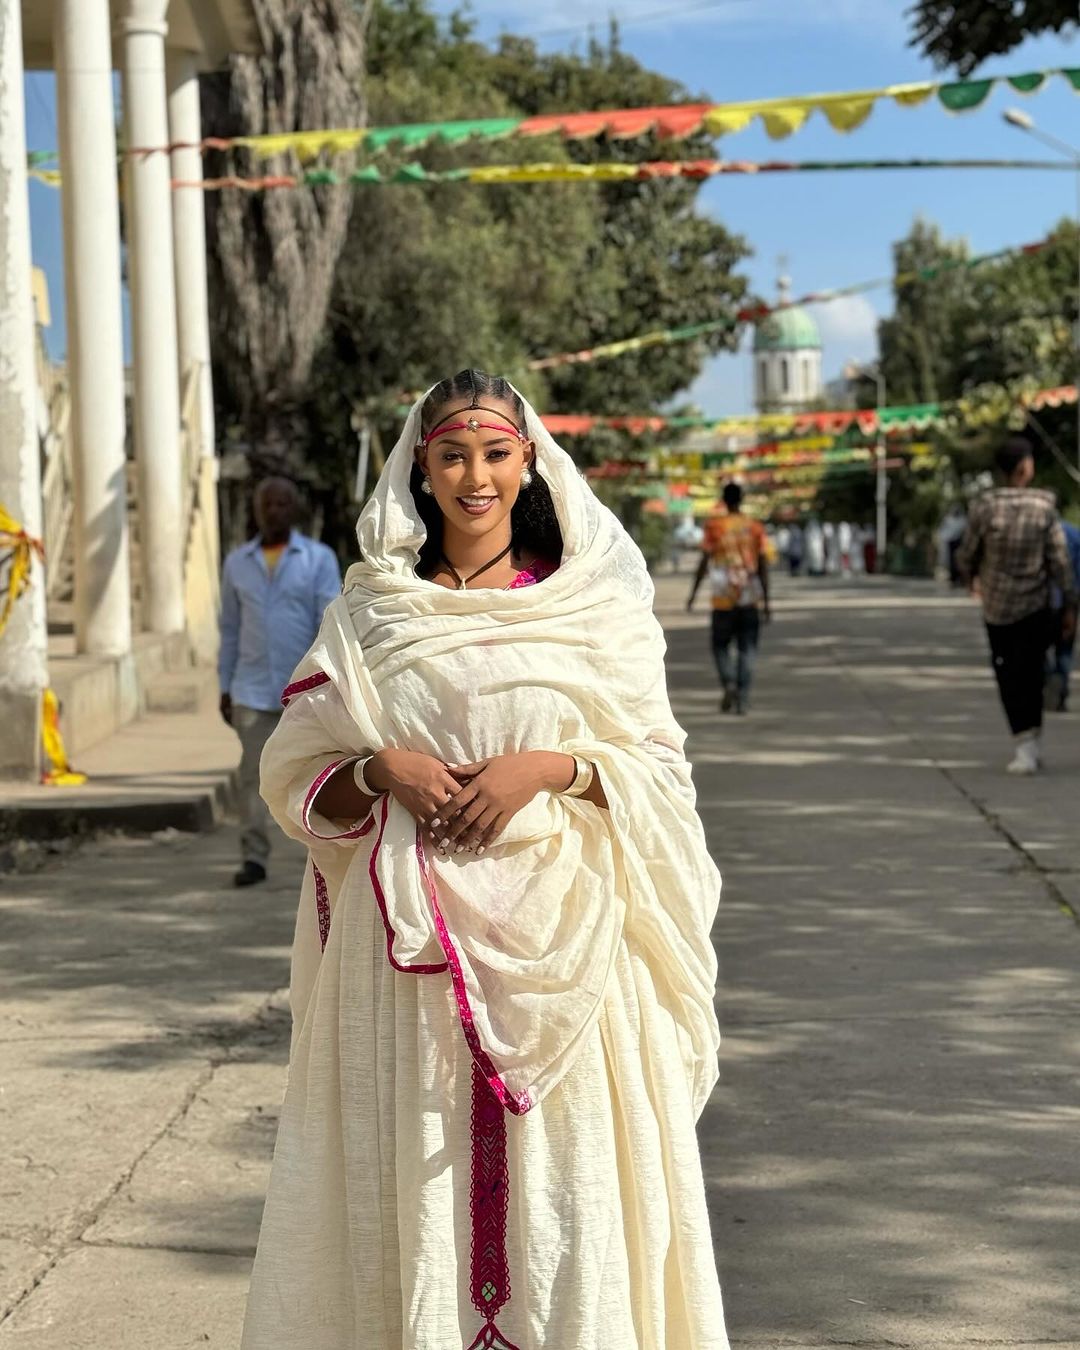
x=436, y=823
x=460, y=848
x=479, y=850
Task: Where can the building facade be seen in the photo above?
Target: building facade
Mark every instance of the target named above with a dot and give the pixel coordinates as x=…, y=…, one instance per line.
x=787, y=358
x=158, y=47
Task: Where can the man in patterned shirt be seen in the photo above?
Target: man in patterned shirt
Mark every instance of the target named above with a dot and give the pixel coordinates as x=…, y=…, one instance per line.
x=1012, y=550
x=734, y=553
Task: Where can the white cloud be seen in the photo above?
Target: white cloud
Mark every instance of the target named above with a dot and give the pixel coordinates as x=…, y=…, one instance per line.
x=848, y=329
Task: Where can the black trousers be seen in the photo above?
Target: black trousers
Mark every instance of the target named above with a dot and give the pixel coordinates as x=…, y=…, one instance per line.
x=741, y=625
x=1018, y=652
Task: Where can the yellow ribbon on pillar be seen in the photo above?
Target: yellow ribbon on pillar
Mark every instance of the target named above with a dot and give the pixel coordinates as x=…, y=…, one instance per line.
x=56, y=771
x=21, y=549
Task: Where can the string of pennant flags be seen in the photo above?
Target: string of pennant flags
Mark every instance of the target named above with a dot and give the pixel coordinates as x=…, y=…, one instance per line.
x=817, y=428
x=649, y=171
x=781, y=117
x=756, y=313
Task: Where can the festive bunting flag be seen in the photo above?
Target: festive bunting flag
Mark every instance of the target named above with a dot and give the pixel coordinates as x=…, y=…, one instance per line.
x=780, y=117
x=755, y=313
x=696, y=170
x=868, y=421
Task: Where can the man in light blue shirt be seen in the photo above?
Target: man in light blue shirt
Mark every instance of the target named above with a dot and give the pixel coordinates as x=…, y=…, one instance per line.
x=273, y=592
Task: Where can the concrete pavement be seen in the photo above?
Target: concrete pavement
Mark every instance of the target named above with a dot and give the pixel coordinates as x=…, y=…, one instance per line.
x=891, y=1154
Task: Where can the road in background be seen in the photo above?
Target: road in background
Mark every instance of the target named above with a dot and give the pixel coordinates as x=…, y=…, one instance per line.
x=892, y=1152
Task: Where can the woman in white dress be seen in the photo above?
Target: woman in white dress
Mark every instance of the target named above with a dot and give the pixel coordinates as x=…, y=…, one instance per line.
x=502, y=986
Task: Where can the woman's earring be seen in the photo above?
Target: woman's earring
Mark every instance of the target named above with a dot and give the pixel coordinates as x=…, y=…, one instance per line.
x=425, y=486
x=526, y=478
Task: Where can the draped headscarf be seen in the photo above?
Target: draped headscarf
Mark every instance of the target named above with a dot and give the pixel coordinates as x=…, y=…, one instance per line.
x=528, y=934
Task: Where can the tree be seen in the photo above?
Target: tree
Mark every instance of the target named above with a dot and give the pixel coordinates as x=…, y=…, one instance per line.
x=272, y=256
x=917, y=344
x=655, y=261
x=437, y=276
x=976, y=338
x=963, y=33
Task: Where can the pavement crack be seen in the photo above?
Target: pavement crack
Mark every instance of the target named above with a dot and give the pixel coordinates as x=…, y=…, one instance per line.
x=1028, y=861
x=228, y=1041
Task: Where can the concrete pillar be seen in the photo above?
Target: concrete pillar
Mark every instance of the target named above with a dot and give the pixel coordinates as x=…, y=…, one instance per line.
x=156, y=413
x=203, y=562
x=95, y=350
x=23, y=672
x=189, y=234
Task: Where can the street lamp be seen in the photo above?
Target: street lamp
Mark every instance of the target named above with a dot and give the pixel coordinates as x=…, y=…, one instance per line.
x=853, y=371
x=1022, y=121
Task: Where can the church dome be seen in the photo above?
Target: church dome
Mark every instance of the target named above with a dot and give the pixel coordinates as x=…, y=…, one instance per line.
x=788, y=330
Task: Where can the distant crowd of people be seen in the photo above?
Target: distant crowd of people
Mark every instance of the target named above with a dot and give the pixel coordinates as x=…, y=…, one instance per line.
x=823, y=549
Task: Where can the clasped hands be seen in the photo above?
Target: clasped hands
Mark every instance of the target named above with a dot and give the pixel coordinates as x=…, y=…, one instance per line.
x=464, y=808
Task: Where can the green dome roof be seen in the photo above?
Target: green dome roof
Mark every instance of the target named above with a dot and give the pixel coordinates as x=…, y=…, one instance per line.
x=787, y=330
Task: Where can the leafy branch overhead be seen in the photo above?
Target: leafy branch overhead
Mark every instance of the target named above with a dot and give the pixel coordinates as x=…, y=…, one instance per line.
x=961, y=34
x=433, y=277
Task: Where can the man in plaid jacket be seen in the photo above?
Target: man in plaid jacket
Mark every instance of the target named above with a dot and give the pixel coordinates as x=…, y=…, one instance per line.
x=1012, y=551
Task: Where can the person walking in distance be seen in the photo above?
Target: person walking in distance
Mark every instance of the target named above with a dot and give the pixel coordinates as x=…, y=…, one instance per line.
x=734, y=554
x=1059, y=657
x=1011, y=553
x=273, y=592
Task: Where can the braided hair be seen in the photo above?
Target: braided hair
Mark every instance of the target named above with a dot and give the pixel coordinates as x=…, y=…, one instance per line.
x=534, y=526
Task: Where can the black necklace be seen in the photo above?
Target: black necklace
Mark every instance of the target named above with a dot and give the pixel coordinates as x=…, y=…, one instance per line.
x=463, y=583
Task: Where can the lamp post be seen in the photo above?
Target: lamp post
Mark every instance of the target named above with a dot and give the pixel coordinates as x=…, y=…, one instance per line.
x=1022, y=121
x=882, y=492
x=854, y=371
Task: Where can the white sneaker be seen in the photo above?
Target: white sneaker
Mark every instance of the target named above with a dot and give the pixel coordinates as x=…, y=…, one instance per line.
x=1027, y=759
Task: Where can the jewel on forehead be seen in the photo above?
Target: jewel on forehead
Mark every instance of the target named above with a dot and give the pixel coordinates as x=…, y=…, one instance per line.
x=472, y=424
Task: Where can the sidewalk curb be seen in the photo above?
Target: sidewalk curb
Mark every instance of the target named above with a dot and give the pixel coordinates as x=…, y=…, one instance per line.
x=55, y=816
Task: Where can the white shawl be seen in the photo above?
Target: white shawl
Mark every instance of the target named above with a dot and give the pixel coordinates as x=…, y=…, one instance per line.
x=529, y=932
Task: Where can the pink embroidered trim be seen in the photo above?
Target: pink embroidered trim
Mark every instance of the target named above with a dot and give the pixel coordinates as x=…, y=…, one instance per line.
x=380, y=899
x=517, y=1103
x=491, y=1338
x=539, y=571
x=322, y=906
x=358, y=831
x=302, y=686
x=489, y=1202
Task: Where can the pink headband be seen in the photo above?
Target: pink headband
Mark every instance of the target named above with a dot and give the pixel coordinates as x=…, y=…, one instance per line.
x=471, y=425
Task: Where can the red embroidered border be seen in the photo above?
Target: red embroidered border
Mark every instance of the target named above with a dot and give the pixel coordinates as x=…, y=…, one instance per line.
x=489, y=1202
x=358, y=832
x=515, y=1102
x=302, y=686
x=489, y=1183
x=322, y=906
x=380, y=899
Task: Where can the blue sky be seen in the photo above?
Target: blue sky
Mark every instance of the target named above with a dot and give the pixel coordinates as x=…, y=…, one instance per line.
x=833, y=228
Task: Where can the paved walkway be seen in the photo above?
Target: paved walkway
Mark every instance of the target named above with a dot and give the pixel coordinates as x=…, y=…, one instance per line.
x=893, y=1152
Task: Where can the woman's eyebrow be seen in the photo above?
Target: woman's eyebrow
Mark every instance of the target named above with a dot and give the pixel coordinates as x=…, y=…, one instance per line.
x=460, y=445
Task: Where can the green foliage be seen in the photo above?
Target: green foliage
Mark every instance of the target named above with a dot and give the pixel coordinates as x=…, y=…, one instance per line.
x=977, y=336
x=917, y=342
x=963, y=33
x=435, y=278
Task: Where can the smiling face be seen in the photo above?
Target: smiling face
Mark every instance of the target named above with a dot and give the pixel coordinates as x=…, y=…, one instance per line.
x=475, y=474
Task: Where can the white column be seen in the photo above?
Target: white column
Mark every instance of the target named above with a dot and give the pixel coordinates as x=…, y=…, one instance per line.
x=189, y=234
x=156, y=413
x=23, y=673
x=95, y=350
